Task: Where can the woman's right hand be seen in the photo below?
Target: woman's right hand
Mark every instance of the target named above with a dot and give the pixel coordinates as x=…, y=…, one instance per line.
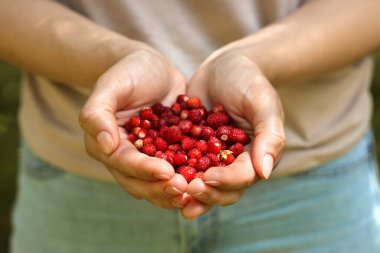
x=140, y=79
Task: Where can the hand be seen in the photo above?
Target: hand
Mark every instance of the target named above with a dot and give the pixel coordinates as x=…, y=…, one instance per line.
x=138, y=80
x=235, y=81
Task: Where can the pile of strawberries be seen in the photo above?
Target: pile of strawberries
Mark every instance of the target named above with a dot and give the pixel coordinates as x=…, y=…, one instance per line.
x=186, y=135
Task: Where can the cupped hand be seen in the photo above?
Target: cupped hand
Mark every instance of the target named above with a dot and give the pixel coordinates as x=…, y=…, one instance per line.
x=231, y=78
x=140, y=79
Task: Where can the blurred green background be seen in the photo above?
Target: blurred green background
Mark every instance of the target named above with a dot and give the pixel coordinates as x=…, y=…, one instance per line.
x=9, y=99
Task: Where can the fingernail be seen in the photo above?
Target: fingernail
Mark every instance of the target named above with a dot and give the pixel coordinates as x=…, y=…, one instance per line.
x=105, y=142
x=212, y=183
x=267, y=165
x=198, y=194
x=172, y=190
x=161, y=176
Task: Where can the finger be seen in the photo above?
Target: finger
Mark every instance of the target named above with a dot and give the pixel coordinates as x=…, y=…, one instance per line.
x=129, y=161
x=211, y=196
x=194, y=209
x=159, y=193
x=264, y=111
x=97, y=118
x=236, y=176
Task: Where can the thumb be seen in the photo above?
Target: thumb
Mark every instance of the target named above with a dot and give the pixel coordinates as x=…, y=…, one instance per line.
x=97, y=119
x=268, y=143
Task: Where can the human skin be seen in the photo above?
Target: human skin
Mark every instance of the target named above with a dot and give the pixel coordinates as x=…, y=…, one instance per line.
x=300, y=47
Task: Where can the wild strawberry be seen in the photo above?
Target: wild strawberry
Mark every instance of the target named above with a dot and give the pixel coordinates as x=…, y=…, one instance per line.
x=170, y=156
x=172, y=134
x=142, y=133
x=202, y=146
x=158, y=108
x=173, y=120
x=207, y=132
x=238, y=135
x=218, y=119
x=221, y=164
x=192, y=162
x=195, y=116
x=155, y=122
x=226, y=156
x=148, y=140
x=131, y=137
x=237, y=149
x=187, y=172
x=161, y=155
x=153, y=134
x=134, y=121
x=182, y=98
x=200, y=174
x=223, y=132
x=195, y=153
x=196, y=131
x=187, y=143
x=217, y=108
x=194, y=103
x=185, y=126
x=184, y=114
x=146, y=113
x=138, y=143
x=214, y=145
x=145, y=124
x=214, y=158
x=174, y=147
x=180, y=158
x=176, y=108
x=149, y=149
x=160, y=144
x=203, y=163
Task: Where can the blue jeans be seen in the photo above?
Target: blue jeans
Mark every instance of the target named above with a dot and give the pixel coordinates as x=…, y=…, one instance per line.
x=331, y=208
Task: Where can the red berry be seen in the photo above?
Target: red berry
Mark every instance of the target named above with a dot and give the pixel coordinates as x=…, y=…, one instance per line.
x=202, y=146
x=132, y=138
x=182, y=98
x=146, y=113
x=192, y=162
x=226, y=156
x=200, y=174
x=217, y=108
x=203, y=163
x=238, y=135
x=174, y=147
x=214, y=145
x=194, y=103
x=160, y=144
x=195, y=116
x=207, y=132
x=187, y=172
x=196, y=131
x=180, y=158
x=218, y=119
x=170, y=156
x=145, y=124
x=158, y=108
x=139, y=143
x=155, y=122
x=187, y=143
x=134, y=121
x=172, y=134
x=214, y=158
x=224, y=132
x=237, y=149
x=195, y=153
x=173, y=120
x=184, y=114
x=161, y=155
x=153, y=134
x=142, y=133
x=149, y=149
x=148, y=140
x=185, y=126
x=176, y=108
